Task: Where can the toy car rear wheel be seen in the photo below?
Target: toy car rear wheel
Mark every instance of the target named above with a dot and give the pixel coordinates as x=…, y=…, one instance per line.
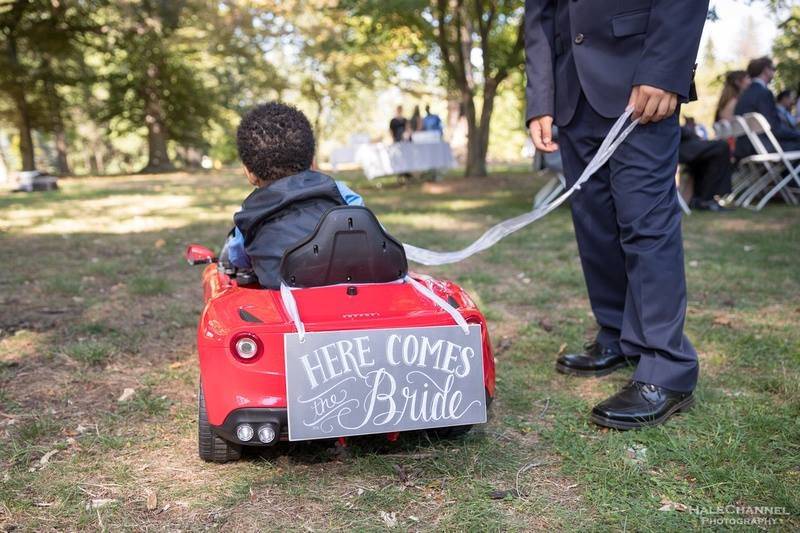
x=210, y=447
x=454, y=432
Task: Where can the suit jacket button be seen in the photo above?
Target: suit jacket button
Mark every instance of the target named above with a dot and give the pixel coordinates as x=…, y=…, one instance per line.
x=579, y=38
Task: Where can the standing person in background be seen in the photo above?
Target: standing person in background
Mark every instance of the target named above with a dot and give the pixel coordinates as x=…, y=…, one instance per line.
x=398, y=125
x=736, y=81
x=432, y=121
x=785, y=102
x=416, y=120
x=586, y=62
x=758, y=98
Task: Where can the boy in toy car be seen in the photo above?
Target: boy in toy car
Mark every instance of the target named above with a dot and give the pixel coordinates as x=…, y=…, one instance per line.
x=276, y=146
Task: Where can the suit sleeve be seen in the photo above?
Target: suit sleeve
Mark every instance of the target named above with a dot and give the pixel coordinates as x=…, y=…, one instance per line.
x=670, y=49
x=539, y=34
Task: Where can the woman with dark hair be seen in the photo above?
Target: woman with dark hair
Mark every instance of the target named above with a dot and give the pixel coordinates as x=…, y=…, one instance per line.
x=736, y=81
x=416, y=120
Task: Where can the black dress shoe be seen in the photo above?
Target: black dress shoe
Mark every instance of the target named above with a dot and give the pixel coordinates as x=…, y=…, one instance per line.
x=710, y=205
x=594, y=362
x=638, y=405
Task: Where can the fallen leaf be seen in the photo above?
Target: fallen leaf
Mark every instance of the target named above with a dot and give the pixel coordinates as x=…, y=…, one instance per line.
x=176, y=364
x=500, y=494
x=160, y=243
x=668, y=505
x=126, y=395
x=152, y=500
x=97, y=503
x=562, y=348
x=46, y=457
x=546, y=325
x=390, y=519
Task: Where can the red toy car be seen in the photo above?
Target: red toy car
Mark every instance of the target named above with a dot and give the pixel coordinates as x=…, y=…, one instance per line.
x=348, y=278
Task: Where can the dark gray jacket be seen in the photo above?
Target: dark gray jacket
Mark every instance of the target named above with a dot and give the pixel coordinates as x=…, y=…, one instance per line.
x=275, y=217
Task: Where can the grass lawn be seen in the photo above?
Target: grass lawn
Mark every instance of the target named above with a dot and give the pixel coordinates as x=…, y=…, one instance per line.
x=95, y=299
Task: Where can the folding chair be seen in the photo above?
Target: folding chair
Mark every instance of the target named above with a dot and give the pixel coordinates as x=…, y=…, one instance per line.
x=745, y=172
x=775, y=169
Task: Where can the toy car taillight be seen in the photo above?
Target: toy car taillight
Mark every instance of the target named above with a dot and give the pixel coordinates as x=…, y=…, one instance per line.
x=246, y=347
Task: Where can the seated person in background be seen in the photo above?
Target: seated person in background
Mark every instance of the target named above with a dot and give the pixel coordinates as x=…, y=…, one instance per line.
x=757, y=98
x=785, y=102
x=709, y=163
x=276, y=145
x=736, y=81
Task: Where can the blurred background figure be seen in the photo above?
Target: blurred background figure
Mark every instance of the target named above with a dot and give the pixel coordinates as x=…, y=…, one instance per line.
x=432, y=121
x=416, y=120
x=709, y=164
x=736, y=81
x=699, y=129
x=398, y=125
x=785, y=101
x=758, y=98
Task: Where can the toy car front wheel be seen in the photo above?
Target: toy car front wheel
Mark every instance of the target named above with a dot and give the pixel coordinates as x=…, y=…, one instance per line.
x=210, y=446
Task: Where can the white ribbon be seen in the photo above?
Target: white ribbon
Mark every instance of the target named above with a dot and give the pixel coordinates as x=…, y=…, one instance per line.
x=432, y=296
x=290, y=304
x=507, y=227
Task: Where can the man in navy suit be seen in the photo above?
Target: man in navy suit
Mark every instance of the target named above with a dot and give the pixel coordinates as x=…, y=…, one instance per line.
x=586, y=61
x=757, y=98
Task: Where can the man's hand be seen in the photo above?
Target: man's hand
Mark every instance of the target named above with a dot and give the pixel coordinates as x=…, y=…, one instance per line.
x=541, y=130
x=651, y=104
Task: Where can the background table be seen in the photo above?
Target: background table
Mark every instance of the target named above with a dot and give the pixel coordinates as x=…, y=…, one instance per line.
x=399, y=158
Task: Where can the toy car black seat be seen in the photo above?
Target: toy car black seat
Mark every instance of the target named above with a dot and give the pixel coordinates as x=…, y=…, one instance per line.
x=348, y=246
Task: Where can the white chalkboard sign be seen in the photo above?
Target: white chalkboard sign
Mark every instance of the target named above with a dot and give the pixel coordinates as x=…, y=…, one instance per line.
x=359, y=382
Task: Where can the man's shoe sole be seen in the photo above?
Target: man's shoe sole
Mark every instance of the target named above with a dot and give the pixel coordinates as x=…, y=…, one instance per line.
x=564, y=369
x=683, y=405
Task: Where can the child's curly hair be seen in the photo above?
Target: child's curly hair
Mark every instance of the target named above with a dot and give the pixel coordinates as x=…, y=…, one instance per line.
x=274, y=141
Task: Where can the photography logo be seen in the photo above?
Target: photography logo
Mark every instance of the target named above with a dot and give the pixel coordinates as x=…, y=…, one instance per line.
x=740, y=515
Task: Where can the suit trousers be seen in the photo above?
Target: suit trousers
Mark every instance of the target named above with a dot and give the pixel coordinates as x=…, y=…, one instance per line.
x=628, y=227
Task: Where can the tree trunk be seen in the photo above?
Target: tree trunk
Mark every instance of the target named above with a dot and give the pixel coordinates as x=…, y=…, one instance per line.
x=61, y=152
x=478, y=142
x=23, y=114
x=475, y=166
x=55, y=104
x=157, y=156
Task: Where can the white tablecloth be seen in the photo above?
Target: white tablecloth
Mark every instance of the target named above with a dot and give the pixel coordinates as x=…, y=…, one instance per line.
x=398, y=158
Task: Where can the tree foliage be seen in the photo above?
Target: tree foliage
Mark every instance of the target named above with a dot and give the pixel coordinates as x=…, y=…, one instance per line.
x=787, y=51
x=477, y=45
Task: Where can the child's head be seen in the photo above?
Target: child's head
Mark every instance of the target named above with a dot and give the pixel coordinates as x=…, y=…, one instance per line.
x=274, y=141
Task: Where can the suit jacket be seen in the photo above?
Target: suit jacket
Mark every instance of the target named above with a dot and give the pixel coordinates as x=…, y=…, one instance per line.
x=604, y=48
x=759, y=99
